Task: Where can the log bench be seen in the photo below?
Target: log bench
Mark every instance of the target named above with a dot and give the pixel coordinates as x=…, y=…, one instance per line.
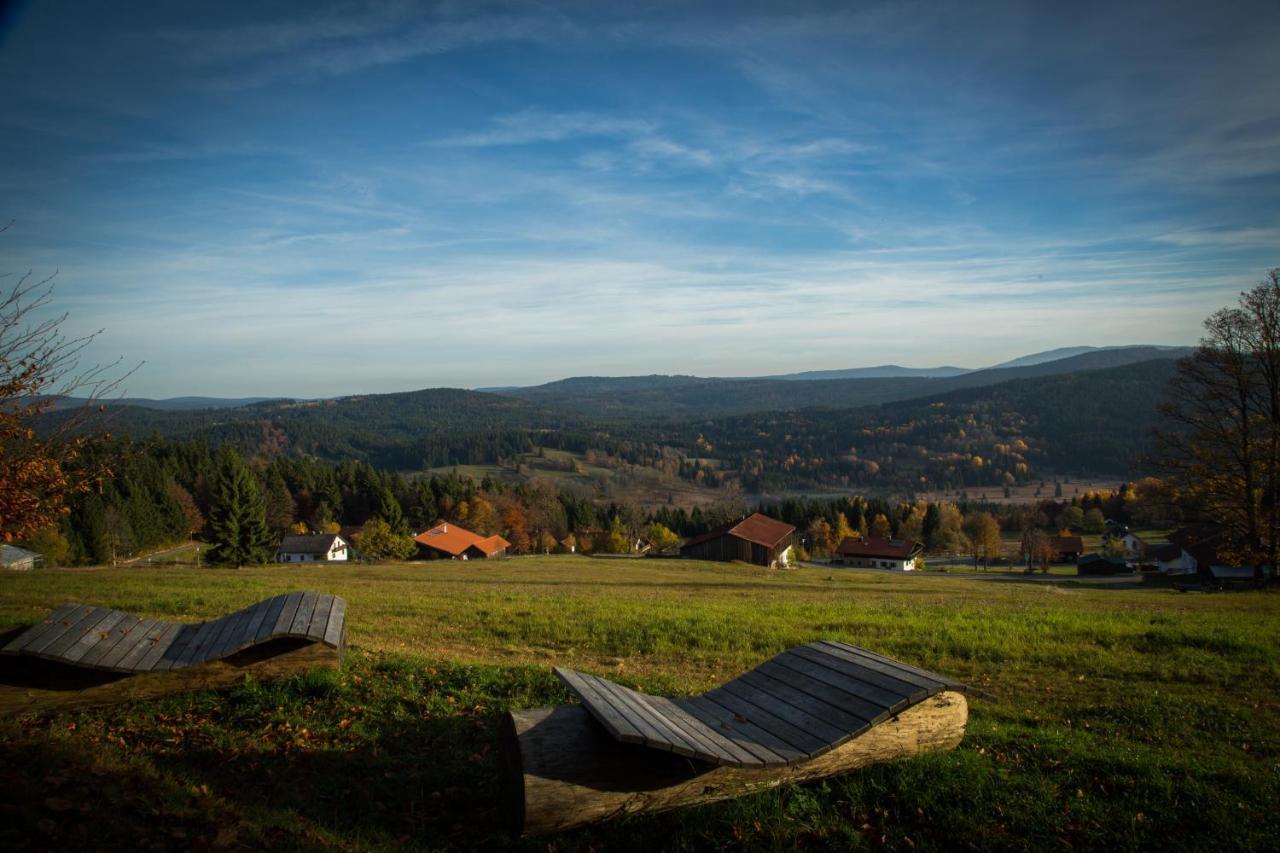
x=84, y=655
x=813, y=711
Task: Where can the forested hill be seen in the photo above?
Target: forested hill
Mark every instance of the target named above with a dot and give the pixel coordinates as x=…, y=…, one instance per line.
x=1098, y=421
x=694, y=397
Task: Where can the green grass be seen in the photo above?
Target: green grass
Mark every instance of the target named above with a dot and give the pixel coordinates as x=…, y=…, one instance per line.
x=1122, y=719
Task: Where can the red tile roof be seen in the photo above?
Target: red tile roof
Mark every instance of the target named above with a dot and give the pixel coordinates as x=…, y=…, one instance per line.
x=756, y=528
x=454, y=540
x=888, y=549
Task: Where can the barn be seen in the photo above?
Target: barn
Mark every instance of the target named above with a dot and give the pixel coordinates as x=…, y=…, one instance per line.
x=756, y=539
x=18, y=559
x=897, y=554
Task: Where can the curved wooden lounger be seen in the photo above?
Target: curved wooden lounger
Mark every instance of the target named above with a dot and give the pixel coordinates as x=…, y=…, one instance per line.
x=813, y=711
x=82, y=655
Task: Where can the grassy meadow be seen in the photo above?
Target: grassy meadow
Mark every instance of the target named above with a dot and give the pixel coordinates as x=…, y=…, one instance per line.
x=1123, y=718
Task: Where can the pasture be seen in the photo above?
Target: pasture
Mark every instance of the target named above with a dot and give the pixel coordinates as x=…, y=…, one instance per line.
x=1123, y=718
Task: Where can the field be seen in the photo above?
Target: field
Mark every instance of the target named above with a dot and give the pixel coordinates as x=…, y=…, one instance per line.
x=1028, y=492
x=1122, y=719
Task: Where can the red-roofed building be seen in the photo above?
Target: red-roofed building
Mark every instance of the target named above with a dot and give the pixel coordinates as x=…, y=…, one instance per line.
x=448, y=541
x=897, y=554
x=756, y=539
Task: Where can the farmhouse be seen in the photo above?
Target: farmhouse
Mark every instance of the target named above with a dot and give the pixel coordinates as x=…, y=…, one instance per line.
x=321, y=548
x=448, y=541
x=17, y=559
x=897, y=554
x=1068, y=548
x=756, y=539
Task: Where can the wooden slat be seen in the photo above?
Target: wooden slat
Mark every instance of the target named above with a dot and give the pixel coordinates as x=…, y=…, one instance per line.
x=670, y=737
x=254, y=624
x=599, y=706
x=883, y=699
x=793, y=714
x=774, y=751
x=337, y=618
x=714, y=747
x=792, y=735
x=194, y=651
x=833, y=696
x=756, y=755
x=227, y=634
x=915, y=670
x=319, y=618
x=240, y=634
x=72, y=635
x=132, y=635
x=909, y=693
x=52, y=622
x=287, y=612
x=784, y=692
x=181, y=639
x=69, y=622
x=649, y=732
x=142, y=657
x=268, y=623
x=98, y=635
x=302, y=618
x=115, y=636
x=890, y=668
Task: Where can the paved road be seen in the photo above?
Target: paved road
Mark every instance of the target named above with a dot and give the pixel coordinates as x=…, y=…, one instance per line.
x=157, y=555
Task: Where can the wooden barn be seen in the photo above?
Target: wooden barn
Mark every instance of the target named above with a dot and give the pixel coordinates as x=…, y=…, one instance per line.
x=756, y=539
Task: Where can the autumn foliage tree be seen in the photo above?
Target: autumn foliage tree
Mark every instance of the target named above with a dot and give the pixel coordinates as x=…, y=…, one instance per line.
x=39, y=367
x=1222, y=443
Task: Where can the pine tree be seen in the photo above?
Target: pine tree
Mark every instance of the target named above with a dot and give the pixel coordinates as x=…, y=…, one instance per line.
x=389, y=510
x=238, y=518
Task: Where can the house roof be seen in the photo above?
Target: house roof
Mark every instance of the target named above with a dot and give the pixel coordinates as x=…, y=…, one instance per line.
x=755, y=528
x=1165, y=551
x=1067, y=544
x=317, y=544
x=889, y=549
x=492, y=545
x=14, y=554
x=454, y=540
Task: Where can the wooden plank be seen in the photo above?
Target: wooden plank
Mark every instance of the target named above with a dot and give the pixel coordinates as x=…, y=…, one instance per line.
x=906, y=667
x=893, y=670
x=67, y=623
x=774, y=751
x=132, y=635
x=599, y=707
x=910, y=693
x=287, y=612
x=759, y=756
x=671, y=738
x=337, y=619
x=302, y=618
x=838, y=699
x=319, y=618
x=784, y=692
x=869, y=693
x=97, y=635
x=144, y=655
x=194, y=651
x=115, y=635
x=797, y=716
x=180, y=639
x=57, y=647
x=228, y=633
x=240, y=634
x=36, y=631
x=802, y=741
x=649, y=733
x=268, y=623
x=251, y=628
x=711, y=746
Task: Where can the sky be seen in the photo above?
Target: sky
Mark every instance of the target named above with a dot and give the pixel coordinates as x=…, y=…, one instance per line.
x=311, y=199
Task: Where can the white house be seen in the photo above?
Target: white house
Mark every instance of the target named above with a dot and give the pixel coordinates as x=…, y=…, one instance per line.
x=322, y=548
x=897, y=554
x=1134, y=545
x=17, y=559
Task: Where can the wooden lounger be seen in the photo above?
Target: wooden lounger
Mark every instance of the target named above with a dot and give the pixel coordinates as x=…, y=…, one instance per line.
x=812, y=711
x=83, y=655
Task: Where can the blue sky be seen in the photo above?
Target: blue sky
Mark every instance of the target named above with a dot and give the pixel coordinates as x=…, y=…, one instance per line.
x=320, y=199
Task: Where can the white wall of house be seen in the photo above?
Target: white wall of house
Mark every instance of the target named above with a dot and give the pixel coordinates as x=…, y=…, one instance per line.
x=1133, y=545
x=882, y=563
x=1178, y=565
x=338, y=552
x=784, y=558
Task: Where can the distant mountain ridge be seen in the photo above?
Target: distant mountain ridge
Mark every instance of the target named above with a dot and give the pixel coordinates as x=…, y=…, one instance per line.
x=1070, y=352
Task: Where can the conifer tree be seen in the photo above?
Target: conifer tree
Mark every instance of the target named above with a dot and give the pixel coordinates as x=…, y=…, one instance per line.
x=238, y=518
x=389, y=510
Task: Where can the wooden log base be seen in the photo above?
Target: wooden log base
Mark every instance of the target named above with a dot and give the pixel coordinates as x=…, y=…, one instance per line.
x=565, y=770
x=28, y=684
